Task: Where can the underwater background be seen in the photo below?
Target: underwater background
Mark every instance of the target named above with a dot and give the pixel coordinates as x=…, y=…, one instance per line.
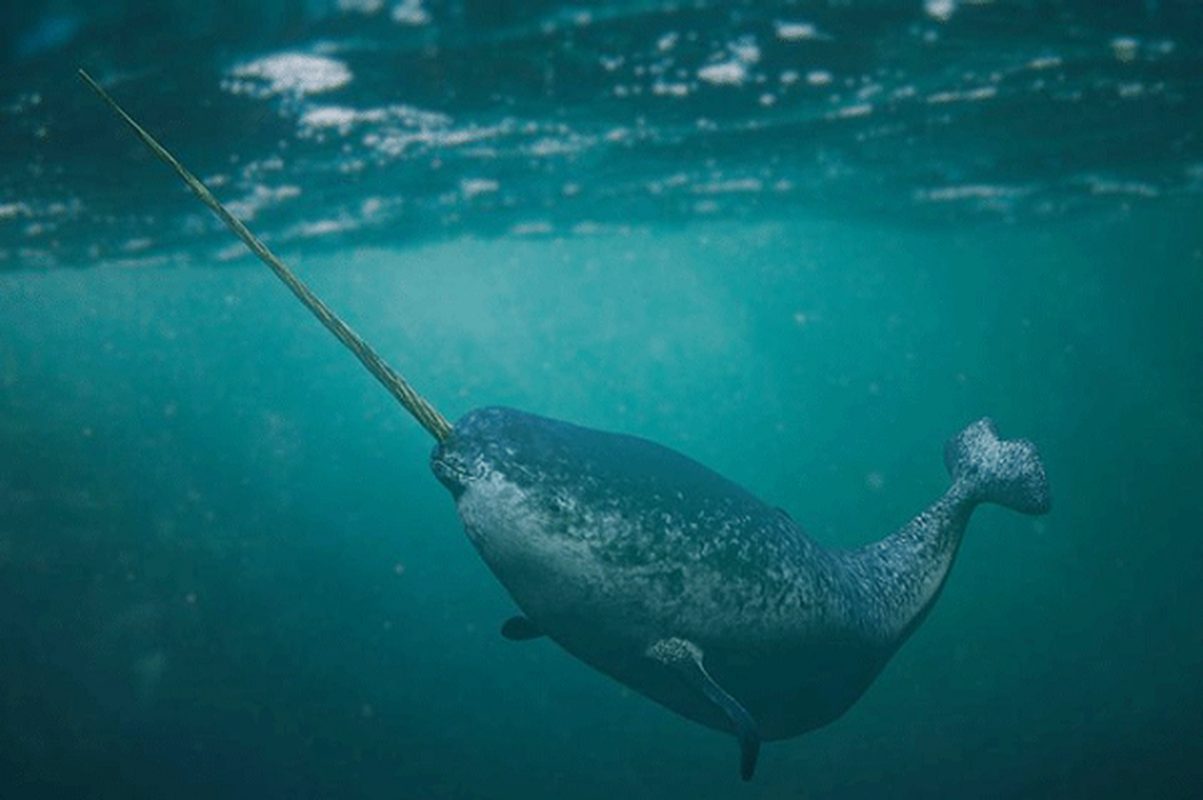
x=801, y=242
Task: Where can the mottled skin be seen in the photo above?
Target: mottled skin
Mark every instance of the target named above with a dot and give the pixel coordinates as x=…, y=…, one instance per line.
x=611, y=543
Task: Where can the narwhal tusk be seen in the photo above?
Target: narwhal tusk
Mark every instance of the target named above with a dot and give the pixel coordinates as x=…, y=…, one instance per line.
x=414, y=403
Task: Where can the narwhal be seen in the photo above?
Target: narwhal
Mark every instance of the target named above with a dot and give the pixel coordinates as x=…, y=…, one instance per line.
x=668, y=577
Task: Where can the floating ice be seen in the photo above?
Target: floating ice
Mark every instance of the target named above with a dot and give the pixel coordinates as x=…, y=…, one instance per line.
x=410, y=12
x=360, y=6
x=728, y=73
x=339, y=117
x=1045, y=62
x=13, y=210
x=261, y=197
x=471, y=187
x=137, y=244
x=734, y=71
x=745, y=50
x=1105, y=186
x=850, y=112
x=941, y=10
x=295, y=74
x=977, y=191
x=797, y=31
x=324, y=227
x=531, y=229
x=1125, y=48
x=729, y=186
x=664, y=88
x=980, y=93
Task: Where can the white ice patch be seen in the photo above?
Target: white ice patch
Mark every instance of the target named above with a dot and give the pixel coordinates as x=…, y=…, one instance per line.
x=471, y=187
x=1104, y=186
x=730, y=186
x=967, y=95
x=667, y=89
x=1125, y=48
x=538, y=228
x=940, y=10
x=323, y=227
x=360, y=6
x=728, y=73
x=1044, y=62
x=851, y=112
x=552, y=146
x=734, y=71
x=137, y=244
x=393, y=143
x=339, y=117
x=972, y=191
x=410, y=12
x=671, y=182
x=291, y=74
x=231, y=252
x=14, y=210
x=745, y=50
x=370, y=207
x=260, y=198
x=798, y=31
x=396, y=126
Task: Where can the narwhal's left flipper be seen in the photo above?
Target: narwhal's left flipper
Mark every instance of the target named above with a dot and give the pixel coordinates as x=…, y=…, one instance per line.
x=685, y=658
x=520, y=629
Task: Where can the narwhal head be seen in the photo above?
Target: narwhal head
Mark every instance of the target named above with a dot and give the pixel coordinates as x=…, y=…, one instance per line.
x=495, y=444
x=511, y=474
x=478, y=449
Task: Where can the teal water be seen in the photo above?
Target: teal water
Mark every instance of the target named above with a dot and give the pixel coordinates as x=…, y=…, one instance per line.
x=225, y=568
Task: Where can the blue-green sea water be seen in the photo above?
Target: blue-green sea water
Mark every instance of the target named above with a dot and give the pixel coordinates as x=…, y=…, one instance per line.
x=801, y=242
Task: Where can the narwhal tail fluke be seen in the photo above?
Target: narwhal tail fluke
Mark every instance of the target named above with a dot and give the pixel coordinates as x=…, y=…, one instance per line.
x=426, y=414
x=994, y=470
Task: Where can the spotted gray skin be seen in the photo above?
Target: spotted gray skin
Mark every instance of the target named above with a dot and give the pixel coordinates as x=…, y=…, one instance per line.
x=613, y=545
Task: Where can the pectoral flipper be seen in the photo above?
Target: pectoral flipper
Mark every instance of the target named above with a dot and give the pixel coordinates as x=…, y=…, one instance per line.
x=520, y=629
x=685, y=658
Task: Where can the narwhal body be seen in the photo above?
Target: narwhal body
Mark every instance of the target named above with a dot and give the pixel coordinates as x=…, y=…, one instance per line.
x=670, y=578
x=684, y=586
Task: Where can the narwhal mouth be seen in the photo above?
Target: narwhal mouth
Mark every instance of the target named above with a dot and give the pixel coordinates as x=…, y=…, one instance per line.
x=453, y=470
x=450, y=472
